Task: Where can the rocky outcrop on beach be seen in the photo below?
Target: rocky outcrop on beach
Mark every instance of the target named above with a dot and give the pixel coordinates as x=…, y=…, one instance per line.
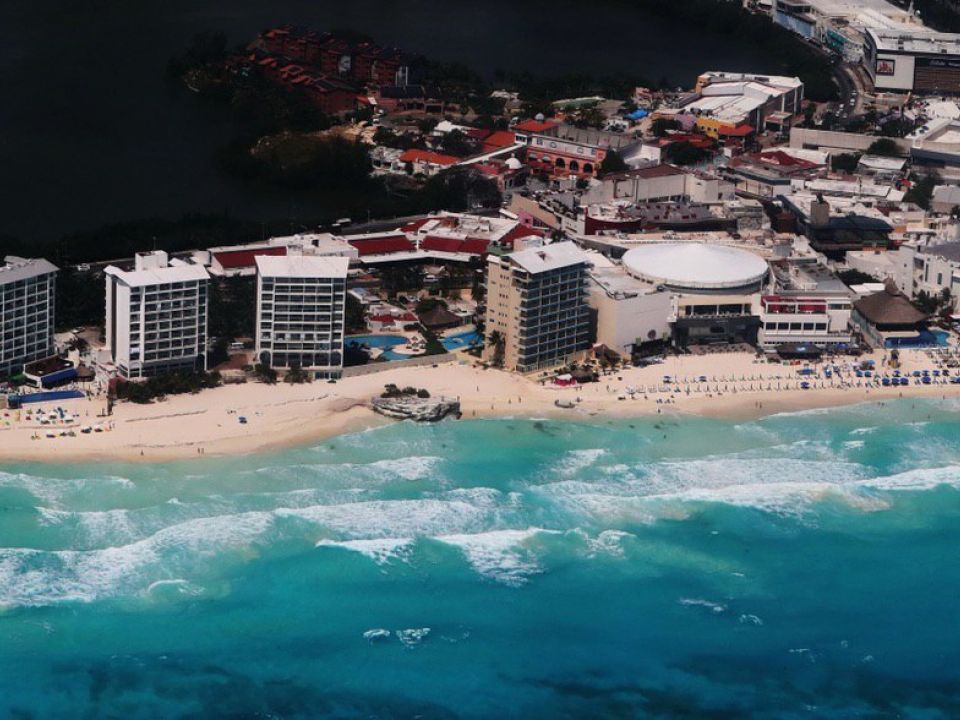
x=416, y=408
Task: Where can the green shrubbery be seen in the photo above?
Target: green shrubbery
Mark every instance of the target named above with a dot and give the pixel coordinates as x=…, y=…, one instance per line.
x=156, y=388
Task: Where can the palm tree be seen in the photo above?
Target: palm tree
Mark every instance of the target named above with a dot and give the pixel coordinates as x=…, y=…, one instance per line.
x=496, y=339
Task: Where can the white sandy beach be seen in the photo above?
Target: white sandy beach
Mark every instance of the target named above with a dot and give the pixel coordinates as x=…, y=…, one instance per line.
x=207, y=424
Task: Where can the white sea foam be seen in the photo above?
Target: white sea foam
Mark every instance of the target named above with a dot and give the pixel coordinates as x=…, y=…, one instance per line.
x=713, y=607
x=53, y=492
x=918, y=479
x=376, y=634
x=380, y=550
x=415, y=467
x=502, y=555
x=869, y=430
x=788, y=499
x=40, y=577
x=610, y=542
x=411, y=637
x=394, y=518
x=484, y=497
x=576, y=460
x=748, y=619
x=782, y=485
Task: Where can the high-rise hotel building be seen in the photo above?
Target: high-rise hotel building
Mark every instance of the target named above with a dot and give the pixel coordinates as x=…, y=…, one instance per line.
x=157, y=316
x=27, y=290
x=537, y=303
x=301, y=306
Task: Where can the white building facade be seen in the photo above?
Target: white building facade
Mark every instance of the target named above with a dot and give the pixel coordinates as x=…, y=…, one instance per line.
x=27, y=290
x=156, y=317
x=301, y=313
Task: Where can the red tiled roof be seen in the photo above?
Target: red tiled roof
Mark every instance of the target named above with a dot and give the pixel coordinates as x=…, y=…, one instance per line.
x=472, y=246
x=385, y=318
x=738, y=131
x=443, y=244
x=417, y=155
x=475, y=246
x=695, y=140
x=520, y=231
x=382, y=246
x=233, y=259
x=534, y=126
x=778, y=157
x=499, y=139
x=478, y=133
x=415, y=225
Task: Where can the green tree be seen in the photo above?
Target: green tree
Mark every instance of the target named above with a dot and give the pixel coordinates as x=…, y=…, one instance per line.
x=661, y=126
x=456, y=143
x=498, y=341
x=265, y=374
x=612, y=163
x=296, y=375
x=885, y=147
x=686, y=153
x=921, y=191
x=845, y=162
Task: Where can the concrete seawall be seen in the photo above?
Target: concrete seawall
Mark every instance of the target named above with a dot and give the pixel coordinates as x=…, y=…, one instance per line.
x=375, y=367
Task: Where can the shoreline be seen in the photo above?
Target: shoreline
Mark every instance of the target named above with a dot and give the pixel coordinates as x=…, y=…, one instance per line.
x=278, y=417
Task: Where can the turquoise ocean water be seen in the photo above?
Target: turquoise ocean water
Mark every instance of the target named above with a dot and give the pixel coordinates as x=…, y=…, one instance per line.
x=798, y=566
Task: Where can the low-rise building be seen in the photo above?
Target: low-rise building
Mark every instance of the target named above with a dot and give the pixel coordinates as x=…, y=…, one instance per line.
x=715, y=288
x=840, y=224
x=630, y=313
x=240, y=260
x=725, y=100
x=889, y=320
x=426, y=162
x=919, y=60
x=936, y=145
x=770, y=173
x=537, y=308
x=808, y=304
x=156, y=316
x=564, y=150
x=301, y=302
x=936, y=270
x=27, y=309
x=660, y=183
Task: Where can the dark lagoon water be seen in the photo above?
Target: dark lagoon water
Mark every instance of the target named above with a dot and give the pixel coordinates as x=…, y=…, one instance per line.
x=92, y=132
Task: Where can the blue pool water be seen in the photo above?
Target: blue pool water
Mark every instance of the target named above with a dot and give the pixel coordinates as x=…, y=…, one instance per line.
x=926, y=338
x=799, y=566
x=461, y=340
x=386, y=342
x=376, y=341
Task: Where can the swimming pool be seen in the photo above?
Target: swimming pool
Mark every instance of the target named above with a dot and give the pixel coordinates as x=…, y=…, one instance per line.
x=386, y=343
x=462, y=340
x=375, y=341
x=925, y=338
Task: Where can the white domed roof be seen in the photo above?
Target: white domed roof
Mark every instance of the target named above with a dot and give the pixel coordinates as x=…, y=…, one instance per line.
x=695, y=266
x=514, y=164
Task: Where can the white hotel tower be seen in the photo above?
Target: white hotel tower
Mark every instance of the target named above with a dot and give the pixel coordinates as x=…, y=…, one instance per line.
x=26, y=312
x=301, y=304
x=157, y=316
